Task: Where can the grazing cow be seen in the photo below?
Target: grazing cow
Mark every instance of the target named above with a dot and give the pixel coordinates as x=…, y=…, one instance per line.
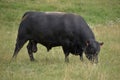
x=53, y=29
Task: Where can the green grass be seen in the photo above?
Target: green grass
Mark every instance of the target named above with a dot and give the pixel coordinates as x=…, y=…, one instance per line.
x=103, y=15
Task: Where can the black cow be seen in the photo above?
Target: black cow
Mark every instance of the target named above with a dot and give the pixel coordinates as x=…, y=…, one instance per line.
x=53, y=29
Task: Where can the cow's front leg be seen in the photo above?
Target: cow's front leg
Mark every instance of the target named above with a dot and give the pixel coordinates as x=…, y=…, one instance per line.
x=81, y=56
x=66, y=52
x=66, y=57
x=30, y=52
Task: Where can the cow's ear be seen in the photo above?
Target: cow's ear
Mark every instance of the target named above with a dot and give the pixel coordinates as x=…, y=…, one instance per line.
x=101, y=43
x=87, y=43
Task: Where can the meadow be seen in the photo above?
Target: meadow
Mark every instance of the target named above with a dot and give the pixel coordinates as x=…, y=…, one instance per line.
x=103, y=16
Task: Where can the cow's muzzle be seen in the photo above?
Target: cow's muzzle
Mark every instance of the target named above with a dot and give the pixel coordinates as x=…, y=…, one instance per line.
x=93, y=59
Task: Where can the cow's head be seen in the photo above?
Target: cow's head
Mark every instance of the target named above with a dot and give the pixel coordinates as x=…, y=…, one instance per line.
x=92, y=50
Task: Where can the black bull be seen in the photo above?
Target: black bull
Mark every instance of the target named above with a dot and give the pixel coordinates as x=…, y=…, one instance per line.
x=53, y=29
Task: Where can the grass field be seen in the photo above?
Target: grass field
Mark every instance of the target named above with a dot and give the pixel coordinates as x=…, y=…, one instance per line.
x=103, y=16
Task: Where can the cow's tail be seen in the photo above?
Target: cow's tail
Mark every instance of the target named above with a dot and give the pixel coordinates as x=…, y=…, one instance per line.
x=21, y=39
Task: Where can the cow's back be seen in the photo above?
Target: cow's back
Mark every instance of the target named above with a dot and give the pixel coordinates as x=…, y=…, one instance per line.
x=56, y=28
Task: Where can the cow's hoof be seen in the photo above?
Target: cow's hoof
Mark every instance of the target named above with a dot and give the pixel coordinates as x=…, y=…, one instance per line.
x=32, y=60
x=81, y=58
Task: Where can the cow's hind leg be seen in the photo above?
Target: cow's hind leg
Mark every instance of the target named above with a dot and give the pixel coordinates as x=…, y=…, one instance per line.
x=31, y=47
x=66, y=52
x=34, y=46
x=81, y=54
x=19, y=45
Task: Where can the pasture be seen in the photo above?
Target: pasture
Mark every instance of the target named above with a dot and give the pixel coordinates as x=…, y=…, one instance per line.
x=103, y=16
